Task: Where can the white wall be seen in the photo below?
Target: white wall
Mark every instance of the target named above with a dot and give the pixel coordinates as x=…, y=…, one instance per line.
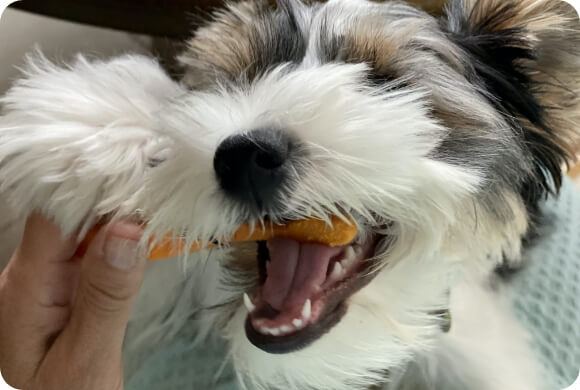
x=21, y=31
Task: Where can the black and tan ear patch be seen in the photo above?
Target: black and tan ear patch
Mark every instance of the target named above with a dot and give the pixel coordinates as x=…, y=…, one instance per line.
x=526, y=55
x=243, y=41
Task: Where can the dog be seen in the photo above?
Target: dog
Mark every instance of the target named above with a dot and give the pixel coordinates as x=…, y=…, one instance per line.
x=438, y=137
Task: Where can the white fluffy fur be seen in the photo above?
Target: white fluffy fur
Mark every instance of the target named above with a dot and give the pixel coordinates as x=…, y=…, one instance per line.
x=486, y=348
x=75, y=141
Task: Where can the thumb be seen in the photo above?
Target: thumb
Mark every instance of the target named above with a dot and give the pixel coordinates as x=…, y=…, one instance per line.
x=112, y=272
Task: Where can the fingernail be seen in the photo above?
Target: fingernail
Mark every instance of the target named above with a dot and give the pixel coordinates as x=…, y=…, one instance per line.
x=121, y=253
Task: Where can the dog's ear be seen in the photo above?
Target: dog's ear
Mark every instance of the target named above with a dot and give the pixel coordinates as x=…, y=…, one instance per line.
x=77, y=140
x=525, y=54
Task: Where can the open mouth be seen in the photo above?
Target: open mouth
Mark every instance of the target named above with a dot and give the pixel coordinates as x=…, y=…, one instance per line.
x=303, y=290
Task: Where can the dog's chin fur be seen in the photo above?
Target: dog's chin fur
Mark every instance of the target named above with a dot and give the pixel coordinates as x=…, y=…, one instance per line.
x=439, y=135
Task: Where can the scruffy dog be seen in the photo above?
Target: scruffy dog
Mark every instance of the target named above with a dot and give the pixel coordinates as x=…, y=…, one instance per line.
x=437, y=136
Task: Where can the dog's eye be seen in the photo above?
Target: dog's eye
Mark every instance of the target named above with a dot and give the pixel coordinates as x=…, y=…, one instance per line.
x=382, y=80
x=154, y=162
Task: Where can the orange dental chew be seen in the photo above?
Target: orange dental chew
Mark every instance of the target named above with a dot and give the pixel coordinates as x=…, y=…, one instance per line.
x=306, y=230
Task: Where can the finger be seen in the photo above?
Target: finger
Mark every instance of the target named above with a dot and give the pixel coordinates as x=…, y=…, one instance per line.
x=35, y=294
x=41, y=267
x=43, y=242
x=111, y=274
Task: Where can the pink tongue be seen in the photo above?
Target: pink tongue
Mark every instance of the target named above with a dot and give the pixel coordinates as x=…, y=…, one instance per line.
x=295, y=273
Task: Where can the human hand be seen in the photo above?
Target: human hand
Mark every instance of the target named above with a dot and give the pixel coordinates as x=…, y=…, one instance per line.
x=63, y=317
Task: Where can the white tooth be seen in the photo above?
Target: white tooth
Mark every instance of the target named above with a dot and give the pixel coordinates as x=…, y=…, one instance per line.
x=297, y=323
x=306, y=309
x=349, y=257
x=337, y=271
x=286, y=329
x=358, y=250
x=248, y=303
x=264, y=330
x=349, y=253
x=274, y=332
x=267, y=265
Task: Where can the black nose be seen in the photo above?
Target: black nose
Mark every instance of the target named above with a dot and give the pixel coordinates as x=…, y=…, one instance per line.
x=253, y=167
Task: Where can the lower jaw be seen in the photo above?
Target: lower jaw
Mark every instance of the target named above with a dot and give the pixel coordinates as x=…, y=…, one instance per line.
x=297, y=341
x=334, y=311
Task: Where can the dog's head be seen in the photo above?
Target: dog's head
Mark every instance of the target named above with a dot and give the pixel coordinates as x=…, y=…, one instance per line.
x=437, y=136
